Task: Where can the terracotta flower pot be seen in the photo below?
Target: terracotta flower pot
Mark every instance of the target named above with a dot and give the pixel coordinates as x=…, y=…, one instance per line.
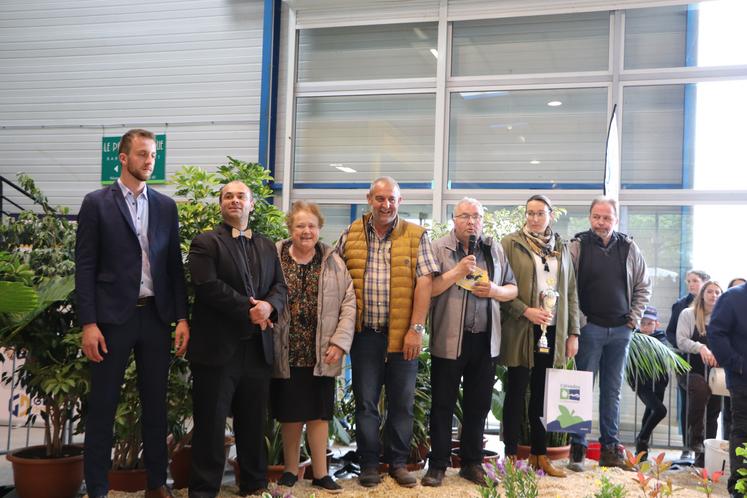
x=38, y=477
x=128, y=480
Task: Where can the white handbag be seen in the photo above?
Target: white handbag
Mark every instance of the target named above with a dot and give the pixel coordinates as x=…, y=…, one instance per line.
x=717, y=382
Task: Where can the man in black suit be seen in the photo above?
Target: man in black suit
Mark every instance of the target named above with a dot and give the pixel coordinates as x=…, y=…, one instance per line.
x=130, y=288
x=239, y=292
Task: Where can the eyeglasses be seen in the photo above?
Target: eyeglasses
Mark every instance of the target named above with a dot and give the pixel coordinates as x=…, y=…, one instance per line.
x=538, y=214
x=466, y=217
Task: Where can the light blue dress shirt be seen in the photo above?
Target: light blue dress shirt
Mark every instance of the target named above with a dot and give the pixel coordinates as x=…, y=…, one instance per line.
x=138, y=207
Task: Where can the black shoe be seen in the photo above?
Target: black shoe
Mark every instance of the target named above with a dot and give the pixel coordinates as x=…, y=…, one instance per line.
x=369, y=477
x=434, y=477
x=641, y=446
x=287, y=480
x=327, y=484
x=473, y=472
x=578, y=456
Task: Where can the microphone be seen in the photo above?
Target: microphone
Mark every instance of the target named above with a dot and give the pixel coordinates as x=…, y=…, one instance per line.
x=471, y=245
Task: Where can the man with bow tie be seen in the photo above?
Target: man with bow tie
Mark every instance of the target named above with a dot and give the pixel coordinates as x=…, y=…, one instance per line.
x=239, y=293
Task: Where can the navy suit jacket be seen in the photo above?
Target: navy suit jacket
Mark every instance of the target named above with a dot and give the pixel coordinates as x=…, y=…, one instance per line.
x=727, y=335
x=108, y=258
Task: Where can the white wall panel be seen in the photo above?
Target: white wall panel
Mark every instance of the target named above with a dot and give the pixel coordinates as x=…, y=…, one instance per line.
x=71, y=72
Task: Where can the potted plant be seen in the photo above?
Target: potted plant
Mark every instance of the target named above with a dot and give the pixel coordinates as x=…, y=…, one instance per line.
x=40, y=257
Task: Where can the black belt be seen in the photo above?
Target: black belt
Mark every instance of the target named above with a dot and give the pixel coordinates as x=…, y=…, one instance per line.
x=380, y=330
x=145, y=301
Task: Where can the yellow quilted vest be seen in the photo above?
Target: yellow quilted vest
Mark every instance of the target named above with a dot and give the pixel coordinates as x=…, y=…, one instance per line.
x=405, y=240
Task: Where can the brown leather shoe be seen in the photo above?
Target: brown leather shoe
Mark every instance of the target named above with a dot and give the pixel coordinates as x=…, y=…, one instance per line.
x=473, y=472
x=403, y=477
x=541, y=462
x=162, y=491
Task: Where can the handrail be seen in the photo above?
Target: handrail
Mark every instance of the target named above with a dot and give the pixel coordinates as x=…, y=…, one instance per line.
x=4, y=198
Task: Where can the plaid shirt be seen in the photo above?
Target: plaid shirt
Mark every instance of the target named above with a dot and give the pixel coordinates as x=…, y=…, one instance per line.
x=378, y=267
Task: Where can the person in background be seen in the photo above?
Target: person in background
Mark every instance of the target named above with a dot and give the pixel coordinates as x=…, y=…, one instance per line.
x=692, y=338
x=694, y=280
x=650, y=391
x=542, y=264
x=726, y=408
x=311, y=337
x=727, y=335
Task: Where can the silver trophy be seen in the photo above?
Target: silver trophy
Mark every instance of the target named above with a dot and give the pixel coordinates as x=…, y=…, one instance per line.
x=548, y=298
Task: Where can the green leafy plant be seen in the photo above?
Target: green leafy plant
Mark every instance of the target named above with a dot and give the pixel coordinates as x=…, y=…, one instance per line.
x=649, y=474
x=741, y=485
x=39, y=256
x=519, y=480
x=649, y=358
x=608, y=489
x=705, y=481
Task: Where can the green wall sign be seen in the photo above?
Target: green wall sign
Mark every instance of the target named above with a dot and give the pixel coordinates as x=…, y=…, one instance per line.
x=111, y=168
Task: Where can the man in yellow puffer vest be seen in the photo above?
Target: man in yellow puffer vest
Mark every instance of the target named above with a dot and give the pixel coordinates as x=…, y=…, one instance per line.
x=391, y=262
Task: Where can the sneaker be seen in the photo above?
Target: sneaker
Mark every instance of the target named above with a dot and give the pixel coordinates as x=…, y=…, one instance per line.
x=403, y=477
x=434, y=477
x=686, y=455
x=473, y=472
x=578, y=456
x=287, y=480
x=611, y=456
x=328, y=484
x=369, y=477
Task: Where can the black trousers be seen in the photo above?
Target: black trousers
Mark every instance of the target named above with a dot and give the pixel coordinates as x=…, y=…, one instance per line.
x=738, y=434
x=517, y=380
x=150, y=339
x=652, y=395
x=475, y=370
x=240, y=387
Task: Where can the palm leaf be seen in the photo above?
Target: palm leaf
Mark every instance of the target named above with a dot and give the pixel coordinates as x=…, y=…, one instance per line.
x=651, y=359
x=15, y=297
x=49, y=291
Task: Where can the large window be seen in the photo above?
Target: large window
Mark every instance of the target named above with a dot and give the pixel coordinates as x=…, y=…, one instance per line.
x=348, y=141
x=529, y=138
x=540, y=44
x=367, y=52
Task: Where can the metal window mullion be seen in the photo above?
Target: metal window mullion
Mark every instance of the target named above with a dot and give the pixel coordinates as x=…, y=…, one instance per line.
x=290, y=111
x=440, y=144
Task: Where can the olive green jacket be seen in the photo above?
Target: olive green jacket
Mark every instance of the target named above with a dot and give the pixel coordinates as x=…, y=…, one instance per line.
x=517, y=346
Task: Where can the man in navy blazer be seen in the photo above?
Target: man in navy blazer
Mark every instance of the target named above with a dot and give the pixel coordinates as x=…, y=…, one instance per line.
x=130, y=288
x=239, y=293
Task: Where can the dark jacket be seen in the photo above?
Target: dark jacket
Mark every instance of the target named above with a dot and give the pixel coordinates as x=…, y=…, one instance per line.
x=220, y=317
x=727, y=335
x=677, y=308
x=108, y=258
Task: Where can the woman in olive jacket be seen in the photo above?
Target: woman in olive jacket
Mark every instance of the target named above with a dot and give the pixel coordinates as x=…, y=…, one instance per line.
x=540, y=262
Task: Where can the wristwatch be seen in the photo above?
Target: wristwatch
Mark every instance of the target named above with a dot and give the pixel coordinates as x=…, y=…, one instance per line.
x=418, y=327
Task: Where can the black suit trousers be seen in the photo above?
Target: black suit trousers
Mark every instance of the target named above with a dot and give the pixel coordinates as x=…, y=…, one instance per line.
x=150, y=339
x=240, y=387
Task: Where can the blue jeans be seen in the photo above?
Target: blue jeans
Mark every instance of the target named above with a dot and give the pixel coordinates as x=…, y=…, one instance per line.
x=604, y=350
x=373, y=368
